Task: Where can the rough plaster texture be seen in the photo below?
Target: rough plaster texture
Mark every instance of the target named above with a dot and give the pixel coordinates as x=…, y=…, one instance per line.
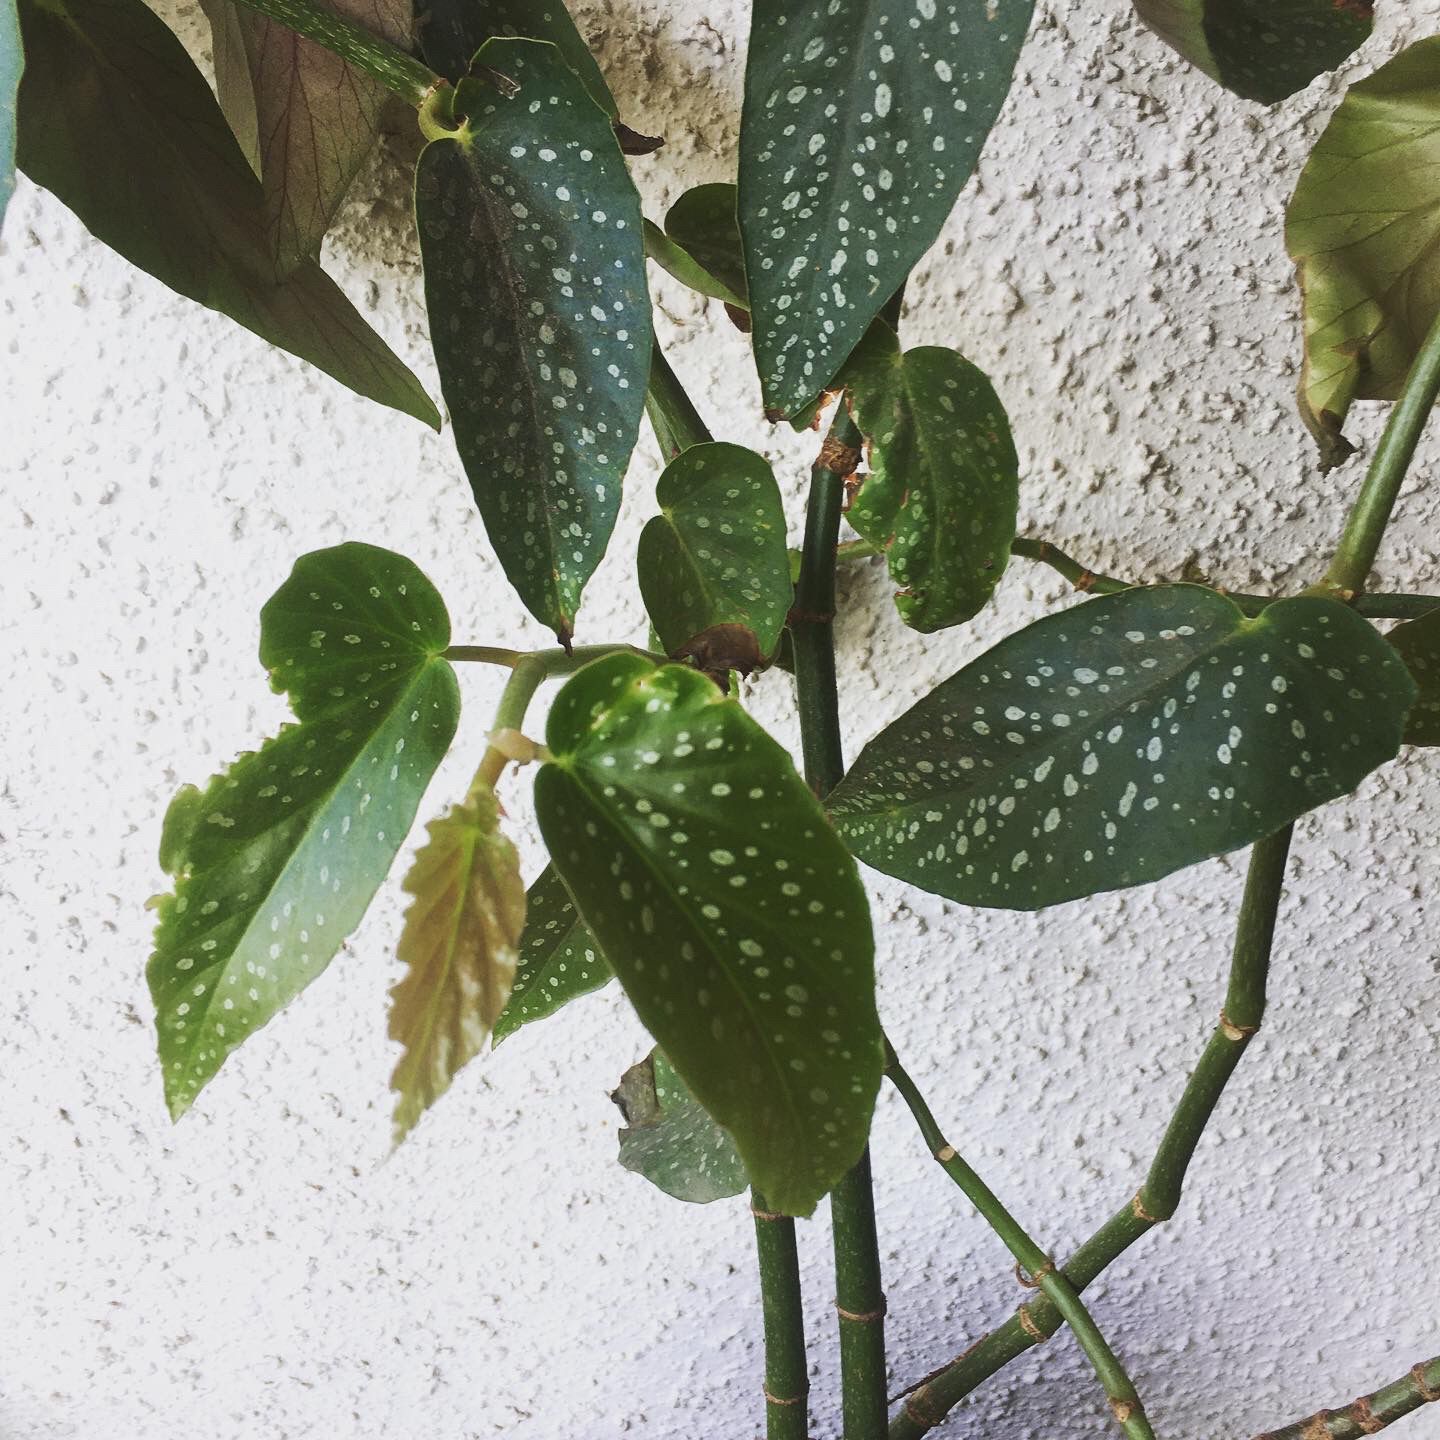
x=263, y=1272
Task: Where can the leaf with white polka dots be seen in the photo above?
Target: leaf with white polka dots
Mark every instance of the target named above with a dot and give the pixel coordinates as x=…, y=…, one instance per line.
x=863, y=120
x=1261, y=49
x=943, y=486
x=669, y=1138
x=559, y=958
x=276, y=860
x=1418, y=644
x=460, y=945
x=713, y=565
x=530, y=232
x=728, y=908
x=1120, y=741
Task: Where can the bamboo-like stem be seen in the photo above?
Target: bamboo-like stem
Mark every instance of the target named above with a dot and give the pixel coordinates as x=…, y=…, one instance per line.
x=787, y=1384
x=1159, y=1195
x=1053, y=1284
x=673, y=416
x=1370, y=1413
x=399, y=72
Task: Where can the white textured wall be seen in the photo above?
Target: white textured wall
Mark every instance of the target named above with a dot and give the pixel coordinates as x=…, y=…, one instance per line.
x=262, y=1273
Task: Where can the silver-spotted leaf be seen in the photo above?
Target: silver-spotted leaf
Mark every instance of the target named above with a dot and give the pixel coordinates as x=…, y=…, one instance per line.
x=559, y=958
x=700, y=244
x=276, y=860
x=1261, y=49
x=669, y=1138
x=1418, y=644
x=460, y=945
x=728, y=909
x=863, y=119
x=535, y=282
x=1121, y=740
x=118, y=123
x=1363, y=228
x=943, y=486
x=713, y=565
x=12, y=63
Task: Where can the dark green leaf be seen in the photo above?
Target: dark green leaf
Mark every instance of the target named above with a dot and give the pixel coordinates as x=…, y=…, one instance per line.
x=1121, y=740
x=1418, y=642
x=121, y=126
x=944, y=484
x=678, y=262
x=12, y=63
x=700, y=244
x=453, y=30
x=535, y=283
x=1364, y=231
x=713, y=565
x=277, y=859
x=863, y=120
x=1261, y=49
x=559, y=959
x=671, y=1141
x=728, y=908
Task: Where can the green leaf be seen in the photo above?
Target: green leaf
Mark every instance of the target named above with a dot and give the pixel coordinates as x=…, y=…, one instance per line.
x=454, y=30
x=535, y=283
x=1261, y=49
x=944, y=484
x=12, y=63
x=1122, y=740
x=460, y=944
x=308, y=118
x=1363, y=229
x=277, y=859
x=559, y=959
x=863, y=120
x=121, y=126
x=727, y=907
x=700, y=244
x=1418, y=644
x=671, y=1141
x=713, y=566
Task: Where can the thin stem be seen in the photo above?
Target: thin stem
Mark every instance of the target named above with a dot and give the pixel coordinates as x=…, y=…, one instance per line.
x=397, y=71
x=787, y=1385
x=1159, y=1195
x=555, y=661
x=673, y=416
x=525, y=679
x=485, y=655
x=1056, y=1287
x=1370, y=1413
x=1365, y=526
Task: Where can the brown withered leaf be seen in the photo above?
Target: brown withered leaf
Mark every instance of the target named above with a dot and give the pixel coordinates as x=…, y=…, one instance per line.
x=461, y=942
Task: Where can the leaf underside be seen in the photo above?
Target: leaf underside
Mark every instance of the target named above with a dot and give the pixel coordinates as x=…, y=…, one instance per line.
x=118, y=123
x=727, y=907
x=1363, y=229
x=1418, y=644
x=530, y=232
x=277, y=859
x=1120, y=741
x=862, y=121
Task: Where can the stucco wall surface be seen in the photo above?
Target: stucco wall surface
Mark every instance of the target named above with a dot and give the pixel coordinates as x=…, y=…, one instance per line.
x=264, y=1272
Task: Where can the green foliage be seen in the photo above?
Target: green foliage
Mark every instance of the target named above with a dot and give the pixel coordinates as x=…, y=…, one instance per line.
x=12, y=64
x=120, y=125
x=728, y=909
x=1122, y=740
x=862, y=121
x=671, y=1141
x=1261, y=49
x=559, y=959
x=276, y=860
x=944, y=483
x=1364, y=231
x=700, y=244
x=1418, y=644
x=535, y=272
x=713, y=565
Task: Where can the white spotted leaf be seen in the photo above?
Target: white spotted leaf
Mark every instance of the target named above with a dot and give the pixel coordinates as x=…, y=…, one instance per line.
x=1120, y=741
x=276, y=860
x=560, y=959
x=460, y=945
x=669, y=1138
x=727, y=907
x=1418, y=645
x=943, y=486
x=713, y=566
x=530, y=232
x=863, y=119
